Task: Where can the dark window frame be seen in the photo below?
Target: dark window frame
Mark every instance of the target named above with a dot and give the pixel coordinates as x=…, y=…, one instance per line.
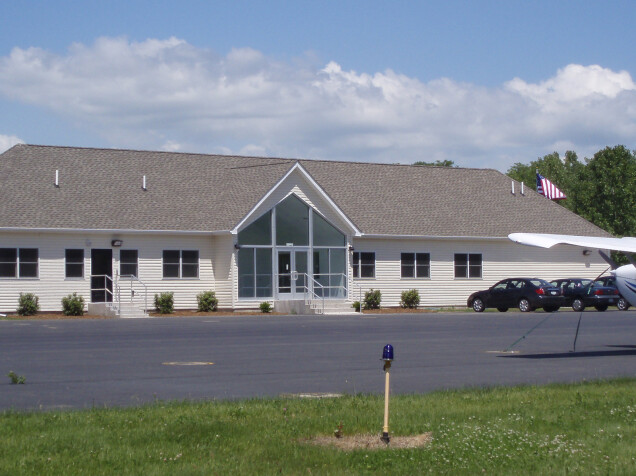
x=20, y=264
x=358, y=264
x=180, y=264
x=468, y=265
x=126, y=264
x=74, y=262
x=421, y=265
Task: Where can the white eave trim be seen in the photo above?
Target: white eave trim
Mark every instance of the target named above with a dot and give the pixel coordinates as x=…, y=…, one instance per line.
x=112, y=231
x=314, y=184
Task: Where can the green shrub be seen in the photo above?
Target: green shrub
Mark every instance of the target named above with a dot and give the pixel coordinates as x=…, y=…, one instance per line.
x=356, y=306
x=164, y=303
x=73, y=305
x=410, y=299
x=15, y=378
x=372, y=299
x=28, y=304
x=265, y=307
x=207, y=301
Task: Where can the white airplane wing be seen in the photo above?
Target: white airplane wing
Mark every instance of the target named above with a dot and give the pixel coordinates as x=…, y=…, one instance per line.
x=547, y=241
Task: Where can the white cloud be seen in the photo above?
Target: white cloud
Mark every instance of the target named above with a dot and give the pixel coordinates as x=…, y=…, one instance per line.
x=170, y=95
x=6, y=142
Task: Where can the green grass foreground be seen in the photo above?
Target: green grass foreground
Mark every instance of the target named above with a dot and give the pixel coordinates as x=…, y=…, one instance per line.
x=587, y=428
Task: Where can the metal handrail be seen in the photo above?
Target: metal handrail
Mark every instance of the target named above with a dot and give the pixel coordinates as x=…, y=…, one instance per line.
x=312, y=290
x=132, y=278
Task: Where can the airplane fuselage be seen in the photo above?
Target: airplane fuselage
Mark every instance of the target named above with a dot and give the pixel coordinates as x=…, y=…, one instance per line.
x=626, y=282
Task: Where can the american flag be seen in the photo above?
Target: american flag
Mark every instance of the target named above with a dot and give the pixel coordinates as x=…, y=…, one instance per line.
x=547, y=188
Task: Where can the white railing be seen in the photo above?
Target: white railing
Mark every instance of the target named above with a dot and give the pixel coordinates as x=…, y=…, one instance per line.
x=130, y=289
x=108, y=291
x=310, y=294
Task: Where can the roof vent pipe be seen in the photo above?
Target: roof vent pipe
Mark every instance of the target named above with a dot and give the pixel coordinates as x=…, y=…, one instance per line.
x=143, y=184
x=57, y=178
x=522, y=191
x=513, y=187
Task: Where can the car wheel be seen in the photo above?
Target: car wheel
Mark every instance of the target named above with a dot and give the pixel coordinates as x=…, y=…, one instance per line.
x=622, y=304
x=551, y=308
x=502, y=309
x=524, y=305
x=478, y=305
x=578, y=305
x=601, y=307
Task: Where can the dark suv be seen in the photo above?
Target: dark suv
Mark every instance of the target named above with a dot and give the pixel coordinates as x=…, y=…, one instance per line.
x=527, y=294
x=581, y=293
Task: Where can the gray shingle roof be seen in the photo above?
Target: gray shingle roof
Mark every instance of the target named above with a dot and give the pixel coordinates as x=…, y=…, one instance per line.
x=101, y=189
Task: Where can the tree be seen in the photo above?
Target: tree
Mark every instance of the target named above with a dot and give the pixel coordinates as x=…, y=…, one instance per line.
x=437, y=163
x=602, y=190
x=607, y=194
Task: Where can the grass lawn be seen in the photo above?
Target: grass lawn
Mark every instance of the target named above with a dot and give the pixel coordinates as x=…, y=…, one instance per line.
x=587, y=428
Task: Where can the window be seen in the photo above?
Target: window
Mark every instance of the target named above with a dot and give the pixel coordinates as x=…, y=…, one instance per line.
x=292, y=222
x=128, y=260
x=19, y=262
x=468, y=265
x=74, y=263
x=363, y=265
x=180, y=263
x=416, y=265
x=255, y=272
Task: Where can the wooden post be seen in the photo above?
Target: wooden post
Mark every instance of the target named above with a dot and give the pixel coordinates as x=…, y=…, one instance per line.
x=385, y=429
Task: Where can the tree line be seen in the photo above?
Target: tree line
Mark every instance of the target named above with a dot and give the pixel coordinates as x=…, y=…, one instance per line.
x=601, y=189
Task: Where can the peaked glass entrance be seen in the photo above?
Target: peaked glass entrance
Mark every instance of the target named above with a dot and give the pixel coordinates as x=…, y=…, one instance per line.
x=290, y=251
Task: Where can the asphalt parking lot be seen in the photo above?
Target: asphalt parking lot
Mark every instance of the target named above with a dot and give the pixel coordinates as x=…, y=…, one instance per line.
x=118, y=362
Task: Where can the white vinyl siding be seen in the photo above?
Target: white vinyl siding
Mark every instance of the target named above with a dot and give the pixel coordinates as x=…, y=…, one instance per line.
x=500, y=259
x=52, y=284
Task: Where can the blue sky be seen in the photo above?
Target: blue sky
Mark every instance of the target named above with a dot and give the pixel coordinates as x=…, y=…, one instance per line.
x=482, y=83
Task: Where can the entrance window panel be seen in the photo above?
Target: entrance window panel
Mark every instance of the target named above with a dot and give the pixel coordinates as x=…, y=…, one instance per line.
x=284, y=272
x=301, y=268
x=326, y=234
x=321, y=270
x=257, y=233
x=263, y=273
x=337, y=272
x=246, y=276
x=292, y=222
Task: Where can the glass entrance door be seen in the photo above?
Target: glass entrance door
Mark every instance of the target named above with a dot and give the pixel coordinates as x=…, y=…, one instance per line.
x=292, y=273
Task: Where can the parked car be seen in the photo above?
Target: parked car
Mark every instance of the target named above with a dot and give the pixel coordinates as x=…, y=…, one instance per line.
x=581, y=293
x=622, y=304
x=527, y=294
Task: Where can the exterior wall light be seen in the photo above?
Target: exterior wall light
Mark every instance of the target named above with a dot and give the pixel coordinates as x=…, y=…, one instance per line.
x=116, y=243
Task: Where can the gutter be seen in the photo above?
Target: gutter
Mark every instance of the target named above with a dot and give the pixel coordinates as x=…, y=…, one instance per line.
x=112, y=231
x=432, y=237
